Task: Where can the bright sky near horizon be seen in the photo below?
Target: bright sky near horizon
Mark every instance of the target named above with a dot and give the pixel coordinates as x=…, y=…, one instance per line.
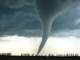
x=55, y=45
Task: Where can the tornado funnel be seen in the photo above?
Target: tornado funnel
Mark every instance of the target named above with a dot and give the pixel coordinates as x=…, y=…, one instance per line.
x=48, y=11
x=46, y=27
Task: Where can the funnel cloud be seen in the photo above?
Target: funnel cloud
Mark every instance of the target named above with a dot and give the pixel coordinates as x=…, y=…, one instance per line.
x=49, y=10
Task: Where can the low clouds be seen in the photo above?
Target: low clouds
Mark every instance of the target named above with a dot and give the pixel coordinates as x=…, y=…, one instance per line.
x=68, y=33
x=21, y=21
x=77, y=21
x=68, y=21
x=15, y=3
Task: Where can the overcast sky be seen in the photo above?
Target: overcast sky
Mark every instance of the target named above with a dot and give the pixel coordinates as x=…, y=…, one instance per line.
x=21, y=18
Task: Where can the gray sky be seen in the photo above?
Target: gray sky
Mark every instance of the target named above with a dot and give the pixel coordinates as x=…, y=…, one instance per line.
x=21, y=18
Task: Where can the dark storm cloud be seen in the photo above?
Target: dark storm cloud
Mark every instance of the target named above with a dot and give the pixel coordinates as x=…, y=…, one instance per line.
x=18, y=17
x=16, y=3
x=70, y=21
x=47, y=7
x=21, y=21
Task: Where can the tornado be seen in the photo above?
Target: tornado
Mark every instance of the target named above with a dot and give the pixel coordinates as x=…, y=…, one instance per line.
x=46, y=28
x=47, y=17
x=46, y=25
